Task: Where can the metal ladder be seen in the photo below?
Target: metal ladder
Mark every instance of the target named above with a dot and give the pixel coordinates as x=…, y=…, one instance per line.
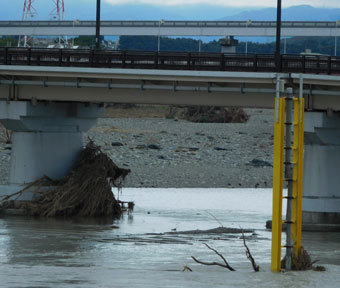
x=288, y=167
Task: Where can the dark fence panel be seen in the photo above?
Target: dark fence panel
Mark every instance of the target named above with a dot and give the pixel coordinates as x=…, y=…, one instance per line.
x=316, y=64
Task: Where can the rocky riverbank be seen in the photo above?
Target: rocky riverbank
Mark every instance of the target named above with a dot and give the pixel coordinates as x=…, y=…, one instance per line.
x=177, y=153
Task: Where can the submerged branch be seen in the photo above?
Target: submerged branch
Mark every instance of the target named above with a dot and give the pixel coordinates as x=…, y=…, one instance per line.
x=249, y=256
x=226, y=265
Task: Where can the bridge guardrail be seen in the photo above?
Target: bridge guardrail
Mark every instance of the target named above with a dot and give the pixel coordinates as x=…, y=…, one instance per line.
x=315, y=64
x=169, y=23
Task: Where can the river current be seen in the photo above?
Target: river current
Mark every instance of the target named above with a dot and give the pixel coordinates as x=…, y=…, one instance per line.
x=136, y=251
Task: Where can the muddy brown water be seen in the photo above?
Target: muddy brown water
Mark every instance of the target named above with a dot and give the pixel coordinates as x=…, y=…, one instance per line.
x=139, y=253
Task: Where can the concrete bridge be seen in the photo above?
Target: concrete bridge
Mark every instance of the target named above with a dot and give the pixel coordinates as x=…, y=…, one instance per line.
x=49, y=106
x=169, y=28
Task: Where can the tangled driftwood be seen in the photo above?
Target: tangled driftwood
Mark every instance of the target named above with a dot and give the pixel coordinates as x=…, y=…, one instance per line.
x=86, y=191
x=225, y=265
x=301, y=261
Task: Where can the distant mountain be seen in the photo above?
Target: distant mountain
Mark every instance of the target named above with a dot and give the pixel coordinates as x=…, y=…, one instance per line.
x=86, y=10
x=293, y=13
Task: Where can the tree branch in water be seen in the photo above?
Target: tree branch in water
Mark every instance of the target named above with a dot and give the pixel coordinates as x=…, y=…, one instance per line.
x=249, y=256
x=226, y=265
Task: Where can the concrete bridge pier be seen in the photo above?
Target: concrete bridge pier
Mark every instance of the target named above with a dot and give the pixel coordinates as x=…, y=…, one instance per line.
x=46, y=140
x=321, y=183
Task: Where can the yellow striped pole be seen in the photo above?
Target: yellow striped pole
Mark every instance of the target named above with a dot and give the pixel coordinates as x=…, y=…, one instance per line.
x=278, y=178
x=278, y=183
x=298, y=172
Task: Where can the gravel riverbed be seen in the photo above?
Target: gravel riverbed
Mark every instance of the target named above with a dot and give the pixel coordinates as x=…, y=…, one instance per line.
x=177, y=153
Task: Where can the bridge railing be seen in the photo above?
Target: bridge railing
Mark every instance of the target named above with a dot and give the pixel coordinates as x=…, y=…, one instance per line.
x=183, y=23
x=169, y=60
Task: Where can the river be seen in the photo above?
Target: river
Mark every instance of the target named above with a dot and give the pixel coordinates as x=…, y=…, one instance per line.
x=134, y=251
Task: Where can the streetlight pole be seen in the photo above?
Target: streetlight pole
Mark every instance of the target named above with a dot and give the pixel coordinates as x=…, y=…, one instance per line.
x=335, y=39
x=200, y=41
x=76, y=21
x=98, y=25
x=161, y=22
x=248, y=23
x=278, y=38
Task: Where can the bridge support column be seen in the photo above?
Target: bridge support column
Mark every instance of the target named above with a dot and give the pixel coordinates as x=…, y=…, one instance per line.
x=47, y=138
x=321, y=183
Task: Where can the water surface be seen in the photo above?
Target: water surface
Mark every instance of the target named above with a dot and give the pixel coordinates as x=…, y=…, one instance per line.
x=94, y=253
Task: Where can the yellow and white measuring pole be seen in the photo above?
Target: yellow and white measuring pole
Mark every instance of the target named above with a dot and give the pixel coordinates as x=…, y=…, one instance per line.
x=288, y=168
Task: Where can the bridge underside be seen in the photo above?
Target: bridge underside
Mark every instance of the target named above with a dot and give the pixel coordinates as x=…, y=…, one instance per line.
x=101, y=85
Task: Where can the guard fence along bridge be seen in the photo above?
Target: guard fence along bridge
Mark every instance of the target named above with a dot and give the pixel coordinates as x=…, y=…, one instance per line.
x=170, y=28
x=311, y=64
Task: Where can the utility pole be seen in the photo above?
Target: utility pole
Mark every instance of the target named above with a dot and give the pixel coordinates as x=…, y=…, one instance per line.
x=247, y=24
x=98, y=26
x=278, y=38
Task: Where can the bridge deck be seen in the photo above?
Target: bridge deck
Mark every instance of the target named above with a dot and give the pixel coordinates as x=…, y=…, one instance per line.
x=165, y=78
x=173, y=87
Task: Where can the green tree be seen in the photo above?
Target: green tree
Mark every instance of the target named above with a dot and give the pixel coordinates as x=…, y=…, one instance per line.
x=294, y=45
x=8, y=42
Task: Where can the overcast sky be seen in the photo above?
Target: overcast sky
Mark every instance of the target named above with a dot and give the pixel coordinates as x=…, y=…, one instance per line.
x=238, y=3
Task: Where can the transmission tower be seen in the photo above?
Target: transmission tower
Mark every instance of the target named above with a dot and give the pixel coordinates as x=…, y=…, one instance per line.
x=29, y=12
x=57, y=14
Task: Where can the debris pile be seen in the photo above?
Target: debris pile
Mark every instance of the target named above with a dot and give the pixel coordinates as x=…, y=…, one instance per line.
x=215, y=114
x=302, y=261
x=86, y=191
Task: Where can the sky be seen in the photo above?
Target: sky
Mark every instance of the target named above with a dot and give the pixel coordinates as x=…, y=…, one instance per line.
x=159, y=9
x=236, y=3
